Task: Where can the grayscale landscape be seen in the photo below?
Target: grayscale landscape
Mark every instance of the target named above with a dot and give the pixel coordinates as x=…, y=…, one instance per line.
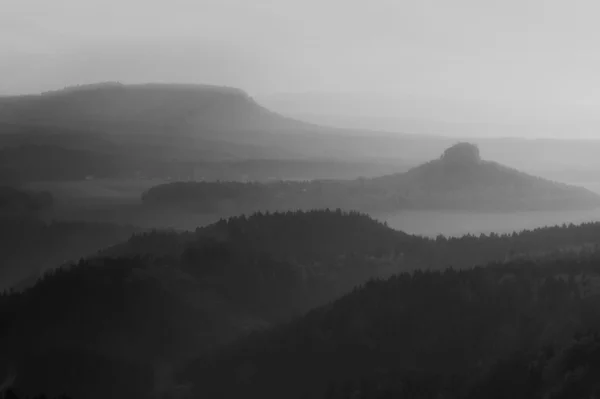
x=299, y=199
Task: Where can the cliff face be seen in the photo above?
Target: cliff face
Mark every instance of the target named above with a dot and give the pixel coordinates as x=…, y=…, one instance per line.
x=461, y=154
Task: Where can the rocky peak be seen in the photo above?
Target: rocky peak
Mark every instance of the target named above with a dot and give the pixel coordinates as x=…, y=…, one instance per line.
x=461, y=153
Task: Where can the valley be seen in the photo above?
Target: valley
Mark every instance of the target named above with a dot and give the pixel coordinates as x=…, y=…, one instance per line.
x=183, y=241
x=448, y=223
x=119, y=200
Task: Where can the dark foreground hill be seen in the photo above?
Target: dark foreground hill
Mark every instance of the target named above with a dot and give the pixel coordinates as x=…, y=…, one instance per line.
x=15, y=202
x=322, y=236
x=459, y=180
x=31, y=246
x=123, y=325
x=10, y=394
x=505, y=331
x=127, y=322
x=93, y=331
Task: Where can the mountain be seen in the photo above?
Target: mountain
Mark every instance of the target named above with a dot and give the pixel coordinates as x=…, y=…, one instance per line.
x=113, y=130
x=33, y=246
x=15, y=202
x=95, y=330
x=518, y=330
x=147, y=108
x=175, y=122
x=499, y=134
x=323, y=238
x=460, y=179
x=127, y=321
x=160, y=124
x=159, y=130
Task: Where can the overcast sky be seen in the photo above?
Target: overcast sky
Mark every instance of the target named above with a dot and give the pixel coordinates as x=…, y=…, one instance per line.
x=533, y=53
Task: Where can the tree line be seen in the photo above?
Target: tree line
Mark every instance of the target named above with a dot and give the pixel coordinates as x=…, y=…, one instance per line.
x=520, y=330
x=406, y=323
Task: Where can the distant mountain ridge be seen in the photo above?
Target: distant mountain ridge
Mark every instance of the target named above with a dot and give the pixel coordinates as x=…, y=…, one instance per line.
x=144, y=127
x=458, y=180
x=153, y=127
x=145, y=108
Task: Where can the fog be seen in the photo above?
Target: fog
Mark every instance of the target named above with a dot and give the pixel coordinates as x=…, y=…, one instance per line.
x=299, y=199
x=524, y=63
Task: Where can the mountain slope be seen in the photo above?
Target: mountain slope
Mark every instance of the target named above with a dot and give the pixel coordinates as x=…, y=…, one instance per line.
x=460, y=179
x=96, y=329
x=487, y=332
x=148, y=128
x=120, y=130
x=148, y=108
x=173, y=296
x=124, y=321
x=32, y=246
x=226, y=123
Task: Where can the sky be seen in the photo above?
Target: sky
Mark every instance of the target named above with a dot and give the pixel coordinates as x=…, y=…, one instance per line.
x=536, y=58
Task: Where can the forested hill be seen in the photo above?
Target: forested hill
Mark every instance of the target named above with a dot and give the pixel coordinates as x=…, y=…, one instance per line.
x=301, y=235
x=325, y=235
x=122, y=323
x=96, y=330
x=512, y=331
x=126, y=321
x=15, y=202
x=31, y=246
x=459, y=180
x=322, y=235
x=10, y=394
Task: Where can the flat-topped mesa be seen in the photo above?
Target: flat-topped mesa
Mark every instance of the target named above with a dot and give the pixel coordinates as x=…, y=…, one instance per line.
x=461, y=153
x=85, y=87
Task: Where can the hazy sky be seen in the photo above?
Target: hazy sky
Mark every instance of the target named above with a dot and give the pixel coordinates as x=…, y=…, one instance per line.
x=528, y=53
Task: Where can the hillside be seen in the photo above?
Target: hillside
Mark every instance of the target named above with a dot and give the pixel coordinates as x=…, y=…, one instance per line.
x=96, y=330
x=513, y=331
x=147, y=306
x=194, y=123
x=31, y=246
x=289, y=236
x=15, y=202
x=119, y=130
x=163, y=130
x=129, y=319
x=458, y=180
x=150, y=108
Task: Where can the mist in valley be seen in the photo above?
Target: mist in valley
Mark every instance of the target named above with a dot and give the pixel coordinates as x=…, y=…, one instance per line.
x=299, y=199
